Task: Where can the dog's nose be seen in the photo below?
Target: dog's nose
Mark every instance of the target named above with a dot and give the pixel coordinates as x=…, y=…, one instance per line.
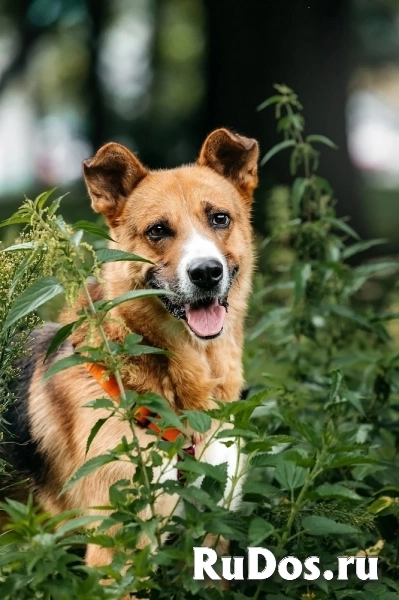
x=205, y=274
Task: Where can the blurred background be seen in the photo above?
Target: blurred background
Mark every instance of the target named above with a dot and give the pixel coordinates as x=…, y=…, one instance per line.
x=158, y=75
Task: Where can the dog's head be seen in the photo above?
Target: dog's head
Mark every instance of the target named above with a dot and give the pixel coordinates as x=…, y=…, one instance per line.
x=192, y=222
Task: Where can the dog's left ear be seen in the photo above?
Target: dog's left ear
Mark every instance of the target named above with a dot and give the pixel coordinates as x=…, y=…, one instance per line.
x=111, y=175
x=234, y=157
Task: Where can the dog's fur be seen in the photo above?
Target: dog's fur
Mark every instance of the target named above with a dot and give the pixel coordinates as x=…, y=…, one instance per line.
x=48, y=419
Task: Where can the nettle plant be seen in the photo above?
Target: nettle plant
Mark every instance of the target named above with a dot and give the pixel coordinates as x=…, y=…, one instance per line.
x=321, y=433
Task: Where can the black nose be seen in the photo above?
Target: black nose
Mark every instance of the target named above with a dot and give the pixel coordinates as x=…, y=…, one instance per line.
x=205, y=273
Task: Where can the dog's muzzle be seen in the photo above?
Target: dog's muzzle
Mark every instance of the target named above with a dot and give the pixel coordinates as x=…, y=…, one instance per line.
x=204, y=309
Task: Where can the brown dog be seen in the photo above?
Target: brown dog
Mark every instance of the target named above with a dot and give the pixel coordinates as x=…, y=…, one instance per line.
x=193, y=223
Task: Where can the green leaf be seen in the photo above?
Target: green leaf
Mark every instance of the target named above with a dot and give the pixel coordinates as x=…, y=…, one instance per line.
x=381, y=504
x=105, y=255
x=315, y=525
x=15, y=220
x=335, y=386
x=25, y=246
x=42, y=198
x=302, y=272
x=334, y=490
x=159, y=406
x=73, y=524
x=298, y=189
x=61, y=335
x=265, y=460
x=277, y=148
x=376, y=268
x=347, y=313
x=349, y=460
x=268, y=102
x=94, y=430
x=25, y=264
x=361, y=247
x=259, y=531
x=199, y=421
x=89, y=467
x=289, y=475
x=106, y=305
x=342, y=226
x=100, y=403
x=35, y=295
x=230, y=526
x=65, y=363
x=322, y=139
x=217, y=472
x=92, y=228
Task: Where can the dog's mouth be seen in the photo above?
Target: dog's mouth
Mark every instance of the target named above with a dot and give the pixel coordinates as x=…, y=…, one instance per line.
x=204, y=317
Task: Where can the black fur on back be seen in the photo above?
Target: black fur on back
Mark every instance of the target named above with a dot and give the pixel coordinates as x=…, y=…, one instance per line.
x=18, y=447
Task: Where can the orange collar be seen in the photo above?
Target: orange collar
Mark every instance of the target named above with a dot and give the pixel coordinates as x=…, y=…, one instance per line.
x=110, y=386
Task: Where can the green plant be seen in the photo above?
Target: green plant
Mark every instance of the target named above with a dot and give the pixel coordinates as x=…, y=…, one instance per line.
x=321, y=433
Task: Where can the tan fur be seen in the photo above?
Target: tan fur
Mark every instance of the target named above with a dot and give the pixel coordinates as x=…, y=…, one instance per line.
x=130, y=197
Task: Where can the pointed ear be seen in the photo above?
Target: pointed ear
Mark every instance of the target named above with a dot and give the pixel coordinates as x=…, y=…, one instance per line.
x=234, y=157
x=110, y=176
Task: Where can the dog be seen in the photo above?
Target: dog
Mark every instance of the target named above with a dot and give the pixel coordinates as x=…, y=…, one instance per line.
x=194, y=224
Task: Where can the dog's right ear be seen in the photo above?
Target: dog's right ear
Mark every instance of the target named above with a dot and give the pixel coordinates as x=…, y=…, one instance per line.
x=110, y=176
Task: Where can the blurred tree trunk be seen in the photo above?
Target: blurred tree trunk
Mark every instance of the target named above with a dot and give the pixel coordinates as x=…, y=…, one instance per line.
x=305, y=44
x=94, y=93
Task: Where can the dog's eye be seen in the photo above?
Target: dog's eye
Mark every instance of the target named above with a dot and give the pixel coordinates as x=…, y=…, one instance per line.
x=157, y=232
x=220, y=220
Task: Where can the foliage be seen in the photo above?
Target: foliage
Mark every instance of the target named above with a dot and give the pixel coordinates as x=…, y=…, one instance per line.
x=320, y=432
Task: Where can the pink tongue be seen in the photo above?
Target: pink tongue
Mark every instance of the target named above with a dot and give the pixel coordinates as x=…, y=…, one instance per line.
x=206, y=321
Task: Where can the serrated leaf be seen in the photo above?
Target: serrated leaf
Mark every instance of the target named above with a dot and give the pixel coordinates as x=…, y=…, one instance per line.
x=35, y=295
x=158, y=405
x=61, y=335
x=315, y=525
x=73, y=524
x=106, y=255
x=15, y=220
x=361, y=247
x=264, y=460
x=350, y=461
x=198, y=420
x=268, y=102
x=217, y=472
x=335, y=386
x=100, y=403
x=94, y=430
x=65, y=363
x=237, y=432
x=298, y=189
x=89, y=467
x=259, y=530
x=41, y=200
x=277, y=148
x=334, y=490
x=89, y=227
x=322, y=139
x=342, y=226
x=289, y=475
x=24, y=265
x=376, y=268
x=230, y=526
x=106, y=305
x=301, y=274
x=24, y=246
